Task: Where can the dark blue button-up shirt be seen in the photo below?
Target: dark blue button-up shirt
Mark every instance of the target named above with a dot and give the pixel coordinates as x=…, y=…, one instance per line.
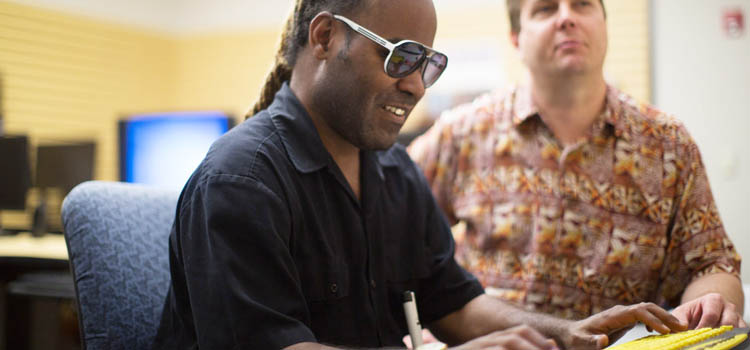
x=271, y=247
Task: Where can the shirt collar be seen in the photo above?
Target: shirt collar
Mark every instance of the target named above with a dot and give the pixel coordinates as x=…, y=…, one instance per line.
x=524, y=108
x=301, y=138
x=615, y=111
x=297, y=131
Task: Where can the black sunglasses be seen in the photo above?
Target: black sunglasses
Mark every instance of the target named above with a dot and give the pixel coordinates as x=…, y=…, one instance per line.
x=405, y=56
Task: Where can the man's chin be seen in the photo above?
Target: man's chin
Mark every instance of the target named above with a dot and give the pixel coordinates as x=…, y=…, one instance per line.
x=574, y=66
x=379, y=144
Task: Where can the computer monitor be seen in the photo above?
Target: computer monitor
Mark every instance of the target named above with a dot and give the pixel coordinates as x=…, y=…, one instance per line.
x=163, y=149
x=60, y=166
x=64, y=166
x=15, y=175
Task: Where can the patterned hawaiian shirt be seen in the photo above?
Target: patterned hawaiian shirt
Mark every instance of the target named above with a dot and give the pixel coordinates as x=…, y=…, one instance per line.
x=624, y=215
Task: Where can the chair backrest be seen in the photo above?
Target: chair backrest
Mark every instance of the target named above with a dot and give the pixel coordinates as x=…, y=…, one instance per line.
x=117, y=237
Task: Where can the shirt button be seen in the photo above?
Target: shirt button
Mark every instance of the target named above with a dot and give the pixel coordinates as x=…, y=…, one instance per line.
x=373, y=284
x=334, y=288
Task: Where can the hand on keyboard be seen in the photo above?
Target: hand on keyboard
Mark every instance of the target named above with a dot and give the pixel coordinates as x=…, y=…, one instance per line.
x=710, y=310
x=722, y=338
x=606, y=327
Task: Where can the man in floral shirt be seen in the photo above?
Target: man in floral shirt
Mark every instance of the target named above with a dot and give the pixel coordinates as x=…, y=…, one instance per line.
x=574, y=196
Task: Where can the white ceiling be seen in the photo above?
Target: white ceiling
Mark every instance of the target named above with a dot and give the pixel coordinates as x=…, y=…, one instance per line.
x=195, y=16
x=177, y=16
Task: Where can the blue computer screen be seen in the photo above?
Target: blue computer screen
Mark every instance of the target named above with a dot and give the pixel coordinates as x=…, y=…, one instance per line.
x=163, y=149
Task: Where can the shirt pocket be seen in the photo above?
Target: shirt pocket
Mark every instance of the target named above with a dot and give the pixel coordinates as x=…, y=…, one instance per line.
x=327, y=291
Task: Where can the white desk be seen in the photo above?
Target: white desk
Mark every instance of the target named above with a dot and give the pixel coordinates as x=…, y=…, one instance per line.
x=639, y=331
x=24, y=245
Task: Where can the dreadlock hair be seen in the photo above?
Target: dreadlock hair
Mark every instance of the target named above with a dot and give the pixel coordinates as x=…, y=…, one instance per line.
x=293, y=39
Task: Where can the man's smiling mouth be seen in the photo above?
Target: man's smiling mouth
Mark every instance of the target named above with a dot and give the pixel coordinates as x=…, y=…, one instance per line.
x=395, y=110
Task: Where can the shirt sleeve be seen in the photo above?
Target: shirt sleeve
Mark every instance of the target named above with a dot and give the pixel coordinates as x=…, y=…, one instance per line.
x=448, y=286
x=698, y=243
x=243, y=287
x=434, y=152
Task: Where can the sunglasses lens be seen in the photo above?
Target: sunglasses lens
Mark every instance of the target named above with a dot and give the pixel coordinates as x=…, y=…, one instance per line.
x=405, y=59
x=435, y=66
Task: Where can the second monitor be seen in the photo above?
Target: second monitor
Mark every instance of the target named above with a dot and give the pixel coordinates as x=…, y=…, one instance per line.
x=163, y=149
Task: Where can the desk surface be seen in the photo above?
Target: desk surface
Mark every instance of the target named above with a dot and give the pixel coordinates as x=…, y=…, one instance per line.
x=24, y=245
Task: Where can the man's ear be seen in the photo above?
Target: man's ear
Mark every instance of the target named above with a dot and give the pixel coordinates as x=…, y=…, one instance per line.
x=321, y=31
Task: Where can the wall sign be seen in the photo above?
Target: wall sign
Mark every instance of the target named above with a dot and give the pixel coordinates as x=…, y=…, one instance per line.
x=733, y=22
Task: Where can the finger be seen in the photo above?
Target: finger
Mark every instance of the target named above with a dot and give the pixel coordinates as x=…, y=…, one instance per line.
x=695, y=316
x=711, y=313
x=742, y=323
x=673, y=323
x=682, y=313
x=621, y=317
x=598, y=341
x=652, y=321
x=407, y=341
x=730, y=316
x=729, y=319
x=654, y=317
x=602, y=341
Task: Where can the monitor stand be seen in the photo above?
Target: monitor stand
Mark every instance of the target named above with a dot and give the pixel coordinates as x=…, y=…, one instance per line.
x=39, y=221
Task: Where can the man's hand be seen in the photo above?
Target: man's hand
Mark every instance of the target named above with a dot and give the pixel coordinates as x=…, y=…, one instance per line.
x=427, y=337
x=517, y=338
x=604, y=328
x=710, y=310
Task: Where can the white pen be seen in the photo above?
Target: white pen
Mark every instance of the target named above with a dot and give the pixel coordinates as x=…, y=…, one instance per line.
x=415, y=328
x=412, y=319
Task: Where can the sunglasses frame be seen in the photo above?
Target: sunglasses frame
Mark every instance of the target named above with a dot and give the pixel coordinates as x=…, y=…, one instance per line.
x=429, y=52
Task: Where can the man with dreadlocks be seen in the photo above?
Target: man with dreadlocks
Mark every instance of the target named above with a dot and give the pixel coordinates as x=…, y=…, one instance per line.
x=303, y=226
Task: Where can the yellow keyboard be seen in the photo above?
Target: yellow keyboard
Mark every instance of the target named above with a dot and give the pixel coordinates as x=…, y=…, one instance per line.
x=721, y=338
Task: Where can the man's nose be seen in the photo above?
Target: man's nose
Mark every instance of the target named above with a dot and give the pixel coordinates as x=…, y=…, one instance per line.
x=412, y=84
x=566, y=16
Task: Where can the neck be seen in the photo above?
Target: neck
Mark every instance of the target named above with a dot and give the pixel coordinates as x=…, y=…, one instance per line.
x=342, y=151
x=569, y=105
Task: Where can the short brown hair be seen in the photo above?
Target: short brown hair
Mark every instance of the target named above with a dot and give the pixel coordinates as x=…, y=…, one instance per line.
x=514, y=14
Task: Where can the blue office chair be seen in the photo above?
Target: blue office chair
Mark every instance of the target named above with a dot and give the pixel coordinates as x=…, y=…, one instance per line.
x=117, y=237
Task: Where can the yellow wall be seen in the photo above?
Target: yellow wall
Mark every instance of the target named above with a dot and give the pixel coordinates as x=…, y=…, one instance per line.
x=628, y=63
x=223, y=71
x=67, y=77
